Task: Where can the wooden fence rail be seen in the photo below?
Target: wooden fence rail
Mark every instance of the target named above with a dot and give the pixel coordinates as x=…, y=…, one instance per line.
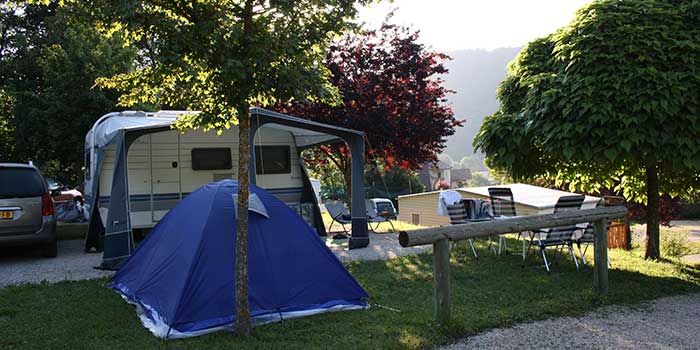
x=439, y=237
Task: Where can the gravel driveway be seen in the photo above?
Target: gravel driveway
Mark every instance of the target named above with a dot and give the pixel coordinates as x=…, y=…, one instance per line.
x=22, y=265
x=667, y=323
x=19, y=266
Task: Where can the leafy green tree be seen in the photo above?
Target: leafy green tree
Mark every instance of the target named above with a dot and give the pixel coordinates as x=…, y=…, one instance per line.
x=50, y=59
x=479, y=179
x=7, y=128
x=221, y=57
x=380, y=180
x=392, y=182
x=609, y=101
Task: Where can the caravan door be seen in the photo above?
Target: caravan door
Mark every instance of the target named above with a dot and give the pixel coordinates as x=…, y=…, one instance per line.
x=139, y=160
x=165, y=173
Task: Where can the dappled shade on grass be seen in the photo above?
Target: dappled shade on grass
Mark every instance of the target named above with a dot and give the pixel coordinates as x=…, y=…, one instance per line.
x=487, y=293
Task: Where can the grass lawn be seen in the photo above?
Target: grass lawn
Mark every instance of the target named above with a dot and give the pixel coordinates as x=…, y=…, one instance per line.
x=491, y=292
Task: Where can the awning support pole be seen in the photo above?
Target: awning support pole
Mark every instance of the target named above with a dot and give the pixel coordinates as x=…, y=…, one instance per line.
x=360, y=235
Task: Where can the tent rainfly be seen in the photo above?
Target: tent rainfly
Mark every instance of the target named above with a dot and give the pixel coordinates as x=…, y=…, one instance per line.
x=182, y=280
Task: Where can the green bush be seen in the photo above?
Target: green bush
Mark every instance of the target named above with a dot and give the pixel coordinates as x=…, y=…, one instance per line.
x=333, y=193
x=674, y=243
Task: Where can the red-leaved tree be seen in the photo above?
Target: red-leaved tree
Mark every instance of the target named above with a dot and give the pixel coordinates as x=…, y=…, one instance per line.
x=393, y=92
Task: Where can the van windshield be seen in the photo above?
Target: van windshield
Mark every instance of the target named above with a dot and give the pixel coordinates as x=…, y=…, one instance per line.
x=20, y=182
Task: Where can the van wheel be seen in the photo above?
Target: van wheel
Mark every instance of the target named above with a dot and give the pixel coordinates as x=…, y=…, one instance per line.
x=50, y=250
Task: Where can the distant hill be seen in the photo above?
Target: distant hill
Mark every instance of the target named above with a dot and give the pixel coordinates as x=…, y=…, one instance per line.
x=474, y=75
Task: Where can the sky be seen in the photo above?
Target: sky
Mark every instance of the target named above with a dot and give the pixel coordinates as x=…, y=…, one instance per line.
x=451, y=25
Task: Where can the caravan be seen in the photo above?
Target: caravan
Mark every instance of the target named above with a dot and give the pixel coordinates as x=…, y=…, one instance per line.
x=137, y=167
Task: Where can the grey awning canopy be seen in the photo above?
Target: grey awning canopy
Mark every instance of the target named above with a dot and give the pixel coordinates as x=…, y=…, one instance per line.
x=306, y=132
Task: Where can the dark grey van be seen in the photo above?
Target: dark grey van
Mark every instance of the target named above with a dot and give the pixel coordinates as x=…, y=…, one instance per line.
x=26, y=209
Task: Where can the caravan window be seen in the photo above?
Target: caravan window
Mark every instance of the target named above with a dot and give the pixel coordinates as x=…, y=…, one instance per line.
x=211, y=158
x=272, y=160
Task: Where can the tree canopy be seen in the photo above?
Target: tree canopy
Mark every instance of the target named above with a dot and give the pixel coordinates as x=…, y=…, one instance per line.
x=609, y=101
x=214, y=56
x=50, y=57
x=392, y=90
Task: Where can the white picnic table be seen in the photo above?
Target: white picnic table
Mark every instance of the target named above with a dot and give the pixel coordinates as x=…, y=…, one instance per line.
x=531, y=200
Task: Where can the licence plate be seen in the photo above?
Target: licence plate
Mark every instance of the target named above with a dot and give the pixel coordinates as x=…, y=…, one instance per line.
x=6, y=214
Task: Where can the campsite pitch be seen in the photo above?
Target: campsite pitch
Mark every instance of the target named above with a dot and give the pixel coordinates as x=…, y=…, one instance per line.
x=492, y=292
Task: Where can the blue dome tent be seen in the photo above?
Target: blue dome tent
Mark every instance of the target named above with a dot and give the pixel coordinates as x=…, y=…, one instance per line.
x=181, y=277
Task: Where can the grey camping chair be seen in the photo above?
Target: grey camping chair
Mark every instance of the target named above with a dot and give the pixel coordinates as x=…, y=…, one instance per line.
x=338, y=214
x=373, y=217
x=587, y=237
x=458, y=215
x=561, y=236
x=502, y=202
x=503, y=205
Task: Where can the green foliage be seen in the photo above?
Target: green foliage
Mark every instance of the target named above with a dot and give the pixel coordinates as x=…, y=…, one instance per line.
x=391, y=183
x=333, y=193
x=7, y=126
x=593, y=103
x=674, y=243
x=217, y=56
x=379, y=182
x=52, y=57
x=320, y=167
x=478, y=179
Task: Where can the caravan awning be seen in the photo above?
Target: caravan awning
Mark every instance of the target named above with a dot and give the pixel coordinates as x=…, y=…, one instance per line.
x=306, y=133
x=123, y=128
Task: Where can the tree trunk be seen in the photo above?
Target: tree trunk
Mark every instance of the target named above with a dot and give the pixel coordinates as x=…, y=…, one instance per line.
x=243, y=108
x=652, y=250
x=242, y=309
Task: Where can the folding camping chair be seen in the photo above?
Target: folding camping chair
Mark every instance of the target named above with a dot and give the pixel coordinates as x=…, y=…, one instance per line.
x=458, y=215
x=373, y=217
x=338, y=214
x=503, y=205
x=557, y=236
x=588, y=237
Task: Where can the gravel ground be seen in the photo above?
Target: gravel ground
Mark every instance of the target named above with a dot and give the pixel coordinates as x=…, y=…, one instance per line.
x=667, y=323
x=19, y=266
x=690, y=226
x=23, y=265
x=382, y=246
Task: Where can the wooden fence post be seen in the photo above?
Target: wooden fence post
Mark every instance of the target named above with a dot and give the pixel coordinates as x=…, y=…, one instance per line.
x=441, y=272
x=600, y=256
x=440, y=238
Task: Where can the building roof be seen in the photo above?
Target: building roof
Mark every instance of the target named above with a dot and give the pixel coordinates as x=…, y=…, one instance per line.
x=441, y=165
x=532, y=196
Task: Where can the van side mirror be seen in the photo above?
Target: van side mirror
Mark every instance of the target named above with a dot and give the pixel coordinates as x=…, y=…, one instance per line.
x=55, y=193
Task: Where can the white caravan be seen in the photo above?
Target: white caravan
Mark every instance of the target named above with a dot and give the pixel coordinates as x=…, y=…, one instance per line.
x=167, y=165
x=137, y=168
